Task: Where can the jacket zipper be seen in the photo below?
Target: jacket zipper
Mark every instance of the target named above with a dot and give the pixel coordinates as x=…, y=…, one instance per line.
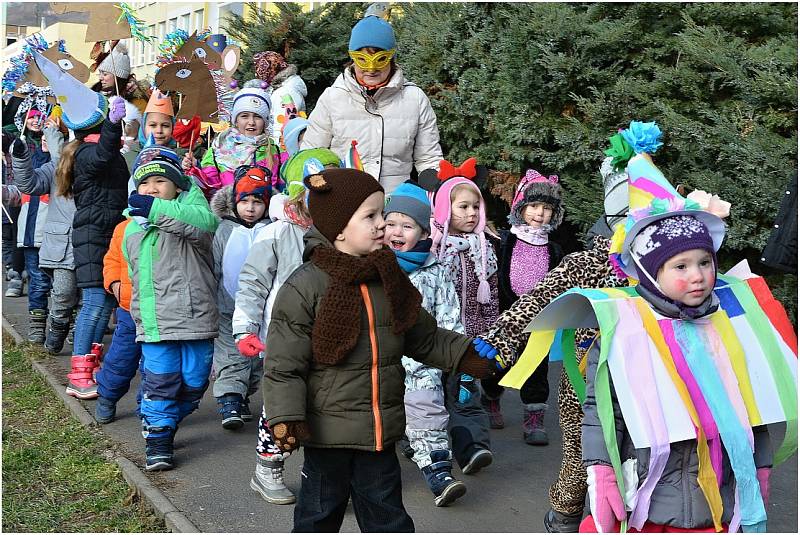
x=376, y=412
x=463, y=290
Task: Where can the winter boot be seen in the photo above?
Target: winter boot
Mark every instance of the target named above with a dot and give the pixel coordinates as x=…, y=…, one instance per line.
x=245, y=413
x=105, y=410
x=81, y=379
x=555, y=522
x=231, y=410
x=158, y=448
x=37, y=325
x=268, y=481
x=480, y=458
x=533, y=424
x=446, y=489
x=14, y=287
x=97, y=350
x=492, y=407
x=56, y=334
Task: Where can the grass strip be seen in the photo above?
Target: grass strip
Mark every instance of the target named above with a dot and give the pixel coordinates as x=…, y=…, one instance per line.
x=55, y=475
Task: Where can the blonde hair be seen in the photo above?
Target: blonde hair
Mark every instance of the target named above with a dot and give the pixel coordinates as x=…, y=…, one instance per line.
x=469, y=187
x=296, y=210
x=64, y=175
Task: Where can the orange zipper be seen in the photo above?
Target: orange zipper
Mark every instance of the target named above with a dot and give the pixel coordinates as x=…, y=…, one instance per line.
x=376, y=411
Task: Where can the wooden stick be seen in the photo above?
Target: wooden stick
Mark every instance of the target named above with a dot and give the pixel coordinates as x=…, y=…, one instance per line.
x=191, y=140
x=111, y=53
x=11, y=221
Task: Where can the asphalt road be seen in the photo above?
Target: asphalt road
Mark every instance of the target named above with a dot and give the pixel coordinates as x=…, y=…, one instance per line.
x=211, y=481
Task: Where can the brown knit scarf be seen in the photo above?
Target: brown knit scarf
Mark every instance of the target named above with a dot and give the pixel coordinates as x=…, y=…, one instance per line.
x=338, y=323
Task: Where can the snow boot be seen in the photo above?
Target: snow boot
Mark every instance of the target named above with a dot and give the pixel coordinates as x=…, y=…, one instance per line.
x=268, y=481
x=37, y=325
x=445, y=488
x=56, y=335
x=533, y=424
x=81, y=379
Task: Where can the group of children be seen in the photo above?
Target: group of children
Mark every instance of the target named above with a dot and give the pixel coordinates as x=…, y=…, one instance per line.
x=371, y=319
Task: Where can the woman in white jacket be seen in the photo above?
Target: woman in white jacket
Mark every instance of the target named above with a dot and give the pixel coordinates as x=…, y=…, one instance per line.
x=372, y=103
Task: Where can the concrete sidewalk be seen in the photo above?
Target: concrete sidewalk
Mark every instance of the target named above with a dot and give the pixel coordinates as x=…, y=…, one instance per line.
x=213, y=468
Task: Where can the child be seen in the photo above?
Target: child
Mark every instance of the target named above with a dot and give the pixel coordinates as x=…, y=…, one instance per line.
x=408, y=221
x=55, y=254
x=333, y=379
x=526, y=256
x=168, y=246
x=124, y=354
x=242, y=209
x=30, y=226
x=270, y=262
x=247, y=142
x=158, y=121
x=460, y=243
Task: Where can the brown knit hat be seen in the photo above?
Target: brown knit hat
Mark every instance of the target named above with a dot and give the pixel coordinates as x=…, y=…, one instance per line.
x=334, y=195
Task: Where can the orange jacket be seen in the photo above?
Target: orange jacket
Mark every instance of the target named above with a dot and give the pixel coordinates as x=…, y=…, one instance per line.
x=115, y=268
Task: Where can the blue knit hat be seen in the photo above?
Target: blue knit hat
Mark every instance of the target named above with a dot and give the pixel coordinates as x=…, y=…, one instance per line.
x=372, y=32
x=412, y=201
x=291, y=134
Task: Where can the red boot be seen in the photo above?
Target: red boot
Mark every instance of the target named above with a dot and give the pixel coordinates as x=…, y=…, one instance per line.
x=97, y=350
x=81, y=378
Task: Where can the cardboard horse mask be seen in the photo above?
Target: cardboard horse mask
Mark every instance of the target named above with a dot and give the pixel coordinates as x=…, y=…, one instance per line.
x=194, y=81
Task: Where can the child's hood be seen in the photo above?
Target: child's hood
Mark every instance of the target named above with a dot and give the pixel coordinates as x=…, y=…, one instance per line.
x=222, y=203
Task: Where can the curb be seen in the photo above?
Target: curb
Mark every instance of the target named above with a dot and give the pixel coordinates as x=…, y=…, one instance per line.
x=175, y=520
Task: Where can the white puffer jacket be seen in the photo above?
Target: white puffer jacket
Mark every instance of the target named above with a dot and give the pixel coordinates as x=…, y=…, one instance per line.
x=395, y=129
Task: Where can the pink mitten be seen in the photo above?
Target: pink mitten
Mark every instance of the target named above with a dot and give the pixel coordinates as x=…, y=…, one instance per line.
x=605, y=501
x=116, y=109
x=250, y=346
x=763, y=481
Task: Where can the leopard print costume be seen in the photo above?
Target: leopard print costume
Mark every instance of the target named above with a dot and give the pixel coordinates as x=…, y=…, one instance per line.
x=585, y=269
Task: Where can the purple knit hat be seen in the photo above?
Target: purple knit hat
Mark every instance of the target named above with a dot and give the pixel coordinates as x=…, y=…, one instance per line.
x=660, y=241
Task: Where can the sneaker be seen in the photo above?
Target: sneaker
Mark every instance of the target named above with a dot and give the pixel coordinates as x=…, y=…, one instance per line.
x=533, y=430
x=14, y=287
x=445, y=488
x=268, y=481
x=105, y=410
x=158, y=449
x=56, y=335
x=555, y=522
x=480, y=459
x=81, y=378
x=492, y=407
x=37, y=325
x=231, y=411
x=245, y=413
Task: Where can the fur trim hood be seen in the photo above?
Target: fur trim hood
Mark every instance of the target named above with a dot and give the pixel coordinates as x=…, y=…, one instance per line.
x=546, y=192
x=222, y=202
x=281, y=77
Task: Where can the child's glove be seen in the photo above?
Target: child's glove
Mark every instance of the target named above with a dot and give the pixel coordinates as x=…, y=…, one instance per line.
x=140, y=204
x=473, y=364
x=250, y=346
x=605, y=501
x=487, y=351
x=289, y=435
x=19, y=148
x=763, y=481
x=116, y=109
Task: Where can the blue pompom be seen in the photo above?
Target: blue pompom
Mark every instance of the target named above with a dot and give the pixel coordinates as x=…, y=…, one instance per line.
x=643, y=137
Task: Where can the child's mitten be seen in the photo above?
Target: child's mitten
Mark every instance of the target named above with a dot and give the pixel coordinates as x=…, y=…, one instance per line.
x=19, y=149
x=289, y=435
x=250, y=346
x=472, y=364
x=605, y=501
x=763, y=481
x=140, y=204
x=116, y=109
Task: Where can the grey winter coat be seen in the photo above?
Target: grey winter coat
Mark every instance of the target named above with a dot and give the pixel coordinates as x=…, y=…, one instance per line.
x=275, y=256
x=677, y=499
x=56, y=245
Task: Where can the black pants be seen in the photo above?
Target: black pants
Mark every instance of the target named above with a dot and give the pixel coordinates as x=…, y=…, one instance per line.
x=13, y=258
x=535, y=390
x=330, y=477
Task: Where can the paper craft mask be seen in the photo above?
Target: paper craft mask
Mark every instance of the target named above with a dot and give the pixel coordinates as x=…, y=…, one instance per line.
x=194, y=81
x=103, y=16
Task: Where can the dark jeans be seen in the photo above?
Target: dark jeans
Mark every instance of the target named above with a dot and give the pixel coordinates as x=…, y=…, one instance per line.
x=535, y=390
x=92, y=319
x=38, y=281
x=121, y=361
x=330, y=477
x=12, y=255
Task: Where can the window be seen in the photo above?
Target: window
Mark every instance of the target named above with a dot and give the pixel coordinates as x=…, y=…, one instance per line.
x=198, y=20
x=173, y=23
x=185, y=22
x=153, y=45
x=139, y=48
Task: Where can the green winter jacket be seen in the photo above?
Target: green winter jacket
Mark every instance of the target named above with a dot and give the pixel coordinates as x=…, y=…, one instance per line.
x=171, y=266
x=357, y=403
